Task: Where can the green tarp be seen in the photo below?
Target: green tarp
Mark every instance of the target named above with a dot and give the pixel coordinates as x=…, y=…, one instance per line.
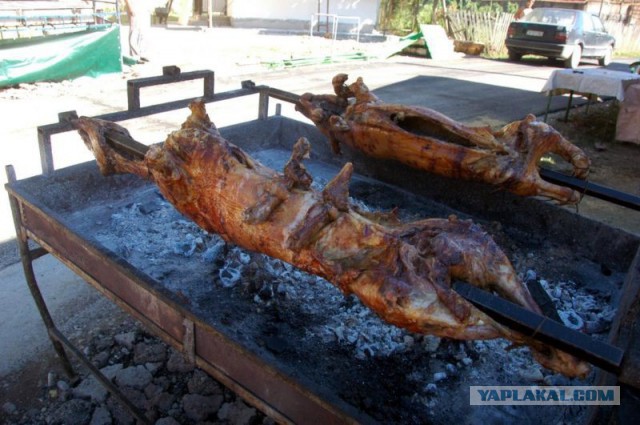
x=91, y=52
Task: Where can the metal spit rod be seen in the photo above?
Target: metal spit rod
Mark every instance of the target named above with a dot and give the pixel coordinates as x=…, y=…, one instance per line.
x=544, y=329
x=589, y=188
x=126, y=144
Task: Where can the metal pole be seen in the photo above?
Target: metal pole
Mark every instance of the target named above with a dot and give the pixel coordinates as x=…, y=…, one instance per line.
x=46, y=152
x=566, y=114
x=263, y=104
x=546, y=114
x=118, y=13
x=601, y=6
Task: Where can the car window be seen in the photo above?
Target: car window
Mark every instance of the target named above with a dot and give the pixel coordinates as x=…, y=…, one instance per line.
x=588, y=23
x=536, y=15
x=565, y=18
x=597, y=24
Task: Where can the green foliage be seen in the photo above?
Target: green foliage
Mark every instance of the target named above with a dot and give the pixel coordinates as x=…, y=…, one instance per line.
x=513, y=7
x=403, y=16
x=425, y=14
x=483, y=6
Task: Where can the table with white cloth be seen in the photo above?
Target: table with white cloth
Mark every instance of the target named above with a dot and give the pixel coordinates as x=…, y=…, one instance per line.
x=590, y=83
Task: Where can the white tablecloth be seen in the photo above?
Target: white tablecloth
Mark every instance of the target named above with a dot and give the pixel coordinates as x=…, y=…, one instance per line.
x=601, y=82
x=628, y=123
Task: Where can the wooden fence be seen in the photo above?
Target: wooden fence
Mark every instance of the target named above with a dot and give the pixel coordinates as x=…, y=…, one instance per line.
x=487, y=28
x=627, y=36
x=490, y=29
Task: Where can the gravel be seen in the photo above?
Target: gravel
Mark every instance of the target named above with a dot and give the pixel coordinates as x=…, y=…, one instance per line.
x=165, y=387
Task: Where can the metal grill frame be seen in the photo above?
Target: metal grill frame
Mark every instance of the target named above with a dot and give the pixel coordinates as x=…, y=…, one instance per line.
x=261, y=385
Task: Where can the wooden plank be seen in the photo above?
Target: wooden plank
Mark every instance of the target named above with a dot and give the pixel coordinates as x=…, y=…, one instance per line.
x=439, y=45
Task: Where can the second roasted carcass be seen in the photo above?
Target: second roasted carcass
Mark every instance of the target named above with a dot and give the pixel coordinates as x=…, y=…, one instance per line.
x=427, y=140
x=402, y=271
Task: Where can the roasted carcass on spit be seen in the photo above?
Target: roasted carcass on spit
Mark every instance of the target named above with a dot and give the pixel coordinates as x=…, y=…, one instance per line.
x=427, y=140
x=403, y=271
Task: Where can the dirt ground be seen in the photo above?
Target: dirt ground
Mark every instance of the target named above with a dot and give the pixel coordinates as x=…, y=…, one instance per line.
x=614, y=164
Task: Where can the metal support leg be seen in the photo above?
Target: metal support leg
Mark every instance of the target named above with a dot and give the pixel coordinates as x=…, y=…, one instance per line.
x=133, y=96
x=566, y=114
x=263, y=105
x=170, y=74
x=46, y=153
x=32, y=283
x=58, y=337
x=209, y=86
x=58, y=340
x=189, y=341
x=546, y=114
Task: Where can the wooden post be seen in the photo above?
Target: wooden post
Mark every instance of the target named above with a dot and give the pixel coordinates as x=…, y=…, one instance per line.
x=433, y=12
x=446, y=25
x=210, y=13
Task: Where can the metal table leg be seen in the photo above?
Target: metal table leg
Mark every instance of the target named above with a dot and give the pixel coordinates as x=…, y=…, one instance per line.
x=27, y=257
x=566, y=114
x=546, y=114
x=58, y=340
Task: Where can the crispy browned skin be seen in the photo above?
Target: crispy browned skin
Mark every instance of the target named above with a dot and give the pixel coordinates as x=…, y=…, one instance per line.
x=427, y=140
x=403, y=271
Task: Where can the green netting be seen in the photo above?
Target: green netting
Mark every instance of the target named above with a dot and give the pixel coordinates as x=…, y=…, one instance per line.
x=384, y=52
x=400, y=45
x=91, y=52
x=317, y=60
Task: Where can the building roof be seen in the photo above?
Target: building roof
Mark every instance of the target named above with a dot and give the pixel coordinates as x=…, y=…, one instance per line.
x=45, y=4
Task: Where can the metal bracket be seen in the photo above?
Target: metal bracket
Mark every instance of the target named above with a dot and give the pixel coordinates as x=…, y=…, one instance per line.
x=68, y=116
x=170, y=74
x=44, y=140
x=171, y=71
x=189, y=341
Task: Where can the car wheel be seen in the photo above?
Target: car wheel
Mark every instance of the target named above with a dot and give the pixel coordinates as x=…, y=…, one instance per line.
x=606, y=59
x=514, y=56
x=574, y=60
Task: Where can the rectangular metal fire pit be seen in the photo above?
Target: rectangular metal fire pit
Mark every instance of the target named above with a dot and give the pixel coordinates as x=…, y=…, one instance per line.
x=290, y=343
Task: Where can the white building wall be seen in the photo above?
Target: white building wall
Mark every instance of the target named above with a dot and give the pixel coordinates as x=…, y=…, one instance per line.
x=294, y=13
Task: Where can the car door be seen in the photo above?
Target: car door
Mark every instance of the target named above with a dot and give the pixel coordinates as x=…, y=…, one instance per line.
x=589, y=36
x=602, y=37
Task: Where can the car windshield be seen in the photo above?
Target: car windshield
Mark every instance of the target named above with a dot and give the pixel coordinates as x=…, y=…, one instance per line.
x=552, y=16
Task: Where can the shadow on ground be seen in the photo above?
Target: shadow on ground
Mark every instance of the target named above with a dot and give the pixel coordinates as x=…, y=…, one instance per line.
x=469, y=102
x=8, y=253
